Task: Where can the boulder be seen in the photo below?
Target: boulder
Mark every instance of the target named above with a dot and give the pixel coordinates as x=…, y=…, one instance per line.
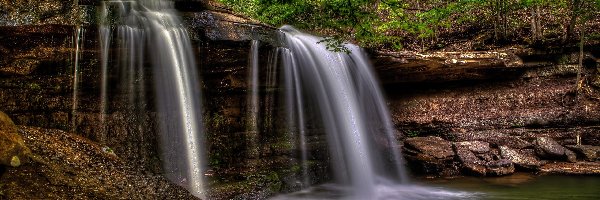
x=520, y=159
x=430, y=155
x=12, y=146
x=474, y=164
x=500, y=167
x=587, y=152
x=547, y=148
x=478, y=147
x=435, y=147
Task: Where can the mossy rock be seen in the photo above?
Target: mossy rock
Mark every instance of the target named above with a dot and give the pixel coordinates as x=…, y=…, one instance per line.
x=12, y=146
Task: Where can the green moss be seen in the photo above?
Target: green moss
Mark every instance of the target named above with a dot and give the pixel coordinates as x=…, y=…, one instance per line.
x=33, y=86
x=274, y=182
x=564, y=59
x=412, y=133
x=15, y=161
x=282, y=145
x=216, y=121
x=215, y=160
x=297, y=168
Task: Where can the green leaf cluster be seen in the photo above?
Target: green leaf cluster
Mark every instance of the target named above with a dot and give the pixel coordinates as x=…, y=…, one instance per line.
x=389, y=23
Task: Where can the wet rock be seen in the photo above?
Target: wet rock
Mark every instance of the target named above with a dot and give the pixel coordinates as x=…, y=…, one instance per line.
x=577, y=168
x=435, y=147
x=500, y=167
x=218, y=25
x=12, y=146
x=405, y=66
x=474, y=165
x=547, y=148
x=587, y=152
x=430, y=155
x=20, y=67
x=478, y=147
x=519, y=159
x=570, y=156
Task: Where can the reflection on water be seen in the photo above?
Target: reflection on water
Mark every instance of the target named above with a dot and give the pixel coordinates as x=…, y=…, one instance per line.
x=516, y=187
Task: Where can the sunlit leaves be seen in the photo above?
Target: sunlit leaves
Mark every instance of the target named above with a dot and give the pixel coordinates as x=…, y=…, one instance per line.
x=386, y=23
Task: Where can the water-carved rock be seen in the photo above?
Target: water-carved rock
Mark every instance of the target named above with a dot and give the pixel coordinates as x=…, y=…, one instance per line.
x=430, y=155
x=476, y=146
x=431, y=146
x=547, y=148
x=474, y=164
x=588, y=152
x=519, y=159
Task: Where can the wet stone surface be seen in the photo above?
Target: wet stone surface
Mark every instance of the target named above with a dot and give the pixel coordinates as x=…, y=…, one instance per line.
x=519, y=159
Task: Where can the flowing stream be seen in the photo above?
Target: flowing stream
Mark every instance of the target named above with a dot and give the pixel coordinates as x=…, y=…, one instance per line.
x=149, y=30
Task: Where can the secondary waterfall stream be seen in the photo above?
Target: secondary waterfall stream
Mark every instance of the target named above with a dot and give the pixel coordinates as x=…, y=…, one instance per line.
x=149, y=30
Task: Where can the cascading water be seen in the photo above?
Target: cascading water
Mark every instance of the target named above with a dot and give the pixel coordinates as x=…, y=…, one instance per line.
x=253, y=104
x=78, y=40
x=362, y=146
x=348, y=99
x=149, y=29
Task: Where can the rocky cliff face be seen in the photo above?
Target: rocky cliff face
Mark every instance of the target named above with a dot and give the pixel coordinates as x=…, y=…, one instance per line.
x=507, y=99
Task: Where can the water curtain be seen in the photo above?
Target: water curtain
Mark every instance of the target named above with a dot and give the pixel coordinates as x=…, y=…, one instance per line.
x=150, y=30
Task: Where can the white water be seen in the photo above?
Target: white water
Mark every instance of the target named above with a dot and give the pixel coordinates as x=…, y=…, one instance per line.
x=342, y=89
x=78, y=40
x=150, y=30
x=252, y=129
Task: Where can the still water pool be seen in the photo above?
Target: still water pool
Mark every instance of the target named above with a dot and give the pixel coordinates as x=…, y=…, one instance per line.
x=523, y=187
x=515, y=187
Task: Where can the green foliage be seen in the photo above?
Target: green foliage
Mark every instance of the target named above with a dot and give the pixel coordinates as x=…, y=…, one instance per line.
x=335, y=44
x=389, y=23
x=413, y=133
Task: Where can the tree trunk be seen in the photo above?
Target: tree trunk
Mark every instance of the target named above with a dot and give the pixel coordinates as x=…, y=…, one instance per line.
x=575, y=6
x=536, y=27
x=579, y=82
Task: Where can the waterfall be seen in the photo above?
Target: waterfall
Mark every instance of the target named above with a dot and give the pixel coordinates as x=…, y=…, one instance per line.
x=150, y=30
x=253, y=104
x=350, y=104
x=78, y=41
